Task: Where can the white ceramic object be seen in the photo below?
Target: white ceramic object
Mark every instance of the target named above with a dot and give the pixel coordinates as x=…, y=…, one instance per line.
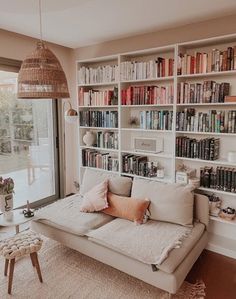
x=89, y=138
x=232, y=157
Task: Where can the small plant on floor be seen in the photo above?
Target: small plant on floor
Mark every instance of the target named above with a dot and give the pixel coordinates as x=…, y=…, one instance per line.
x=6, y=186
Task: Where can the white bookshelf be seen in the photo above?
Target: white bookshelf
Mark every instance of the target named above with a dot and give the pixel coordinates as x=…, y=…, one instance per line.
x=167, y=157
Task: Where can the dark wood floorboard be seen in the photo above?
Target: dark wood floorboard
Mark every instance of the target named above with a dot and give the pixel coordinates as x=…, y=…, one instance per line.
x=218, y=273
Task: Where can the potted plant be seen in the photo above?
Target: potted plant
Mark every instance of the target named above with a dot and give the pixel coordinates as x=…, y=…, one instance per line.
x=6, y=194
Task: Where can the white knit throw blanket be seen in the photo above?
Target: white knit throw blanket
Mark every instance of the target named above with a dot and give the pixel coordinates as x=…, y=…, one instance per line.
x=149, y=243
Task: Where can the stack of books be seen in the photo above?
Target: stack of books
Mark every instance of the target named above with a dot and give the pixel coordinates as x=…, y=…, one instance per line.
x=156, y=120
x=156, y=68
x=104, y=119
x=147, y=95
x=221, y=178
x=98, y=97
x=214, y=61
x=107, y=140
x=100, y=74
x=139, y=165
x=205, y=149
x=206, y=92
x=214, y=121
x=93, y=158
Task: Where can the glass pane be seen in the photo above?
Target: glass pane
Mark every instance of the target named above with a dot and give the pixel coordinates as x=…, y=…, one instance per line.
x=26, y=143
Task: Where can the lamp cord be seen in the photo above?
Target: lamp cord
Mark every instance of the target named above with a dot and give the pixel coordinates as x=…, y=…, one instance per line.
x=40, y=21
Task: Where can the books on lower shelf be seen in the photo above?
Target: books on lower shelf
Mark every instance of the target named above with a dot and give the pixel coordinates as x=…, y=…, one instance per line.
x=156, y=68
x=94, y=97
x=205, y=149
x=221, y=178
x=156, y=120
x=139, y=165
x=107, y=140
x=100, y=74
x=104, y=119
x=93, y=158
x=206, y=92
x=147, y=95
x=216, y=121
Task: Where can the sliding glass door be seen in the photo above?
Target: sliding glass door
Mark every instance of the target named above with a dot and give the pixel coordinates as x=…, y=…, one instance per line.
x=28, y=152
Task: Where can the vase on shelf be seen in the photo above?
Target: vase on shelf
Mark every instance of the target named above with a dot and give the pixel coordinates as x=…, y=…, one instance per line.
x=6, y=202
x=89, y=138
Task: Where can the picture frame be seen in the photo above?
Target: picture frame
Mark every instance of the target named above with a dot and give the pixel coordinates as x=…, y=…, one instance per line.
x=148, y=145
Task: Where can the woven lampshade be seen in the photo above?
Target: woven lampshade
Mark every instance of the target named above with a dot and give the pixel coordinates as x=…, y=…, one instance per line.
x=41, y=76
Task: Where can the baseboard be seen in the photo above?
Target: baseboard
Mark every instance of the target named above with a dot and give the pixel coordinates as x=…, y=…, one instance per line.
x=222, y=245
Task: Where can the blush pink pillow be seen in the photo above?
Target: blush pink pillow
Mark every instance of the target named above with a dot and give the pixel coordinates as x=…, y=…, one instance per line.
x=95, y=199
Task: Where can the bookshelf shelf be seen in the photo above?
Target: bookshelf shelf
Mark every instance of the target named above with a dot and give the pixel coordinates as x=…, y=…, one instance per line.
x=95, y=107
x=211, y=74
x=98, y=128
x=217, y=162
x=126, y=92
x=100, y=148
x=206, y=133
x=98, y=84
x=147, y=106
x=160, y=79
x=221, y=220
x=160, y=155
x=217, y=191
x=144, y=130
x=164, y=180
x=206, y=104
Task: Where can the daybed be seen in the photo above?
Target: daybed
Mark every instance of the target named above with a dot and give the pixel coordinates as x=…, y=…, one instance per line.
x=84, y=232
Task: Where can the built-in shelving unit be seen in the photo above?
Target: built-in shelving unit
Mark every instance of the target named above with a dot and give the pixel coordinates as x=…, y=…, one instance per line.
x=127, y=132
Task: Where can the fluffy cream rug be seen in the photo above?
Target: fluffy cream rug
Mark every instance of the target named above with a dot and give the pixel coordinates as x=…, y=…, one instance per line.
x=69, y=274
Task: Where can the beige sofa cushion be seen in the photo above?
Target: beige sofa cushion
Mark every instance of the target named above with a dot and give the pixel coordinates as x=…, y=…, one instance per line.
x=65, y=214
x=169, y=202
x=118, y=185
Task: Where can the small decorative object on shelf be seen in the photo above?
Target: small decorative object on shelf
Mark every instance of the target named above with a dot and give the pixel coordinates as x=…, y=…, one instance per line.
x=28, y=213
x=6, y=194
x=133, y=122
x=89, y=138
x=214, y=205
x=160, y=173
x=227, y=214
x=151, y=145
x=184, y=173
x=195, y=182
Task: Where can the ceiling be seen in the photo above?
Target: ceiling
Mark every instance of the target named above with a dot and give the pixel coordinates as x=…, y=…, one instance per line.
x=77, y=23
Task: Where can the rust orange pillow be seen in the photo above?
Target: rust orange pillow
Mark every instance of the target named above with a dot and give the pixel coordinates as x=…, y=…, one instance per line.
x=126, y=207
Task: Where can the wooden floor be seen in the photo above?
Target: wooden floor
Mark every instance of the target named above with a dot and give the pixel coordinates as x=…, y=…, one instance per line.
x=218, y=273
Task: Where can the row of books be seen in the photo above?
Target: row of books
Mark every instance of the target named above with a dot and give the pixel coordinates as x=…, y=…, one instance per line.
x=104, y=119
x=100, y=74
x=156, y=120
x=213, y=61
x=221, y=178
x=93, y=158
x=205, y=149
x=139, y=165
x=206, y=92
x=156, y=68
x=216, y=121
x=107, y=140
x=94, y=97
x=147, y=95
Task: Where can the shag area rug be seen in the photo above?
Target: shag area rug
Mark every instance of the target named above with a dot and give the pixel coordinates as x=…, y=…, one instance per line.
x=69, y=274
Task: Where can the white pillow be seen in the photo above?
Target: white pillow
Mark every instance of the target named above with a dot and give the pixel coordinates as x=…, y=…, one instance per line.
x=95, y=199
x=169, y=202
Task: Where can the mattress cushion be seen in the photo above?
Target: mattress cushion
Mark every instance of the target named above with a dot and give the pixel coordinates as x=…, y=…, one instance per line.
x=65, y=214
x=151, y=243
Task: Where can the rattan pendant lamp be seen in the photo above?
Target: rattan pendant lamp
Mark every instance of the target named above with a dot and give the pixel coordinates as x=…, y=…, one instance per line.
x=41, y=75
